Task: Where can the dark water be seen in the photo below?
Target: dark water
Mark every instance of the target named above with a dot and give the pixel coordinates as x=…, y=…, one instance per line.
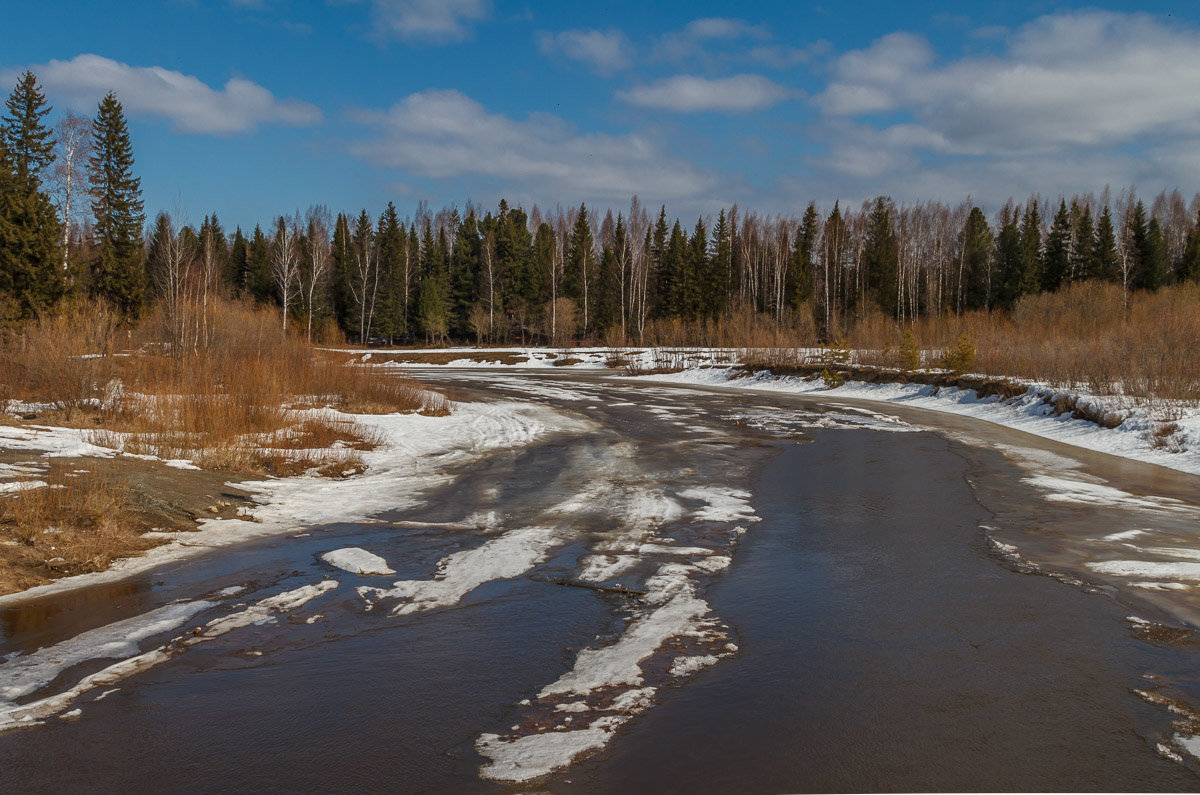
x=884, y=645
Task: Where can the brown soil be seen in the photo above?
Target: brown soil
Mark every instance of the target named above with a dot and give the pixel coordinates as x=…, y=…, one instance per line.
x=113, y=503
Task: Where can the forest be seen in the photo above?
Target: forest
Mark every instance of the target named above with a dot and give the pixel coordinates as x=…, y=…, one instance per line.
x=72, y=224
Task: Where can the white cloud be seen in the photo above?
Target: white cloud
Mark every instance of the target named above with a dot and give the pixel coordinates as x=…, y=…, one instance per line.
x=435, y=20
x=691, y=42
x=604, y=52
x=444, y=135
x=190, y=104
x=690, y=94
x=1085, y=79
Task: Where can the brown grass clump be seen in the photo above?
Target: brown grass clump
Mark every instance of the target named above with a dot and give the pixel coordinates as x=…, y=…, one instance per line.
x=82, y=521
x=222, y=404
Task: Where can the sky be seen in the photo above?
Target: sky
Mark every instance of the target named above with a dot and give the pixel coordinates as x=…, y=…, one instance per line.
x=255, y=108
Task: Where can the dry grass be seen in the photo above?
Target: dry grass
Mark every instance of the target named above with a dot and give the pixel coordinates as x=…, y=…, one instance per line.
x=1090, y=336
x=220, y=406
x=82, y=521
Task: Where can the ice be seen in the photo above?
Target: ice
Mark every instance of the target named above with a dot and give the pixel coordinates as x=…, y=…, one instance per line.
x=503, y=557
x=678, y=612
x=723, y=504
x=357, y=561
x=27, y=673
x=537, y=755
x=1124, y=535
x=1134, y=438
x=1060, y=489
x=682, y=666
x=416, y=455
x=13, y=715
x=1148, y=569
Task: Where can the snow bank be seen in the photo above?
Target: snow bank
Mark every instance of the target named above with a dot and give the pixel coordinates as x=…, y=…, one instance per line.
x=416, y=454
x=357, y=561
x=1134, y=438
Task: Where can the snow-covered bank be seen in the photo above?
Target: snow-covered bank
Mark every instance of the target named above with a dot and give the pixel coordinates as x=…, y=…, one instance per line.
x=1140, y=437
x=415, y=453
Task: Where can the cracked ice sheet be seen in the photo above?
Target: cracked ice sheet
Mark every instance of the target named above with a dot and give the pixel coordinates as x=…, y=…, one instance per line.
x=19, y=715
x=503, y=557
x=415, y=455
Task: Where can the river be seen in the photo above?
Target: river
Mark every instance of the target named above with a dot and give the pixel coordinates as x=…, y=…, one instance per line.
x=698, y=590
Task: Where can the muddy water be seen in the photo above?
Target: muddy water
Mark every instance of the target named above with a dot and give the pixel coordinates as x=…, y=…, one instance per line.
x=884, y=642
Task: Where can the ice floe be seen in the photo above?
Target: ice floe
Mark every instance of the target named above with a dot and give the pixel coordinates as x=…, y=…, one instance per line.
x=357, y=561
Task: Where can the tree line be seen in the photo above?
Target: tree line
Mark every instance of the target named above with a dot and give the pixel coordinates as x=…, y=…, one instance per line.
x=508, y=275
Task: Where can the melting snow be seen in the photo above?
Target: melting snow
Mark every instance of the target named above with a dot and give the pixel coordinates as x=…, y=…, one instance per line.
x=357, y=561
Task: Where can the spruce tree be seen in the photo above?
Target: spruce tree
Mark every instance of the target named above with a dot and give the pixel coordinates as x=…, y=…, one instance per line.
x=975, y=288
x=28, y=140
x=879, y=256
x=1056, y=267
x=1106, y=261
x=116, y=273
x=1031, y=249
x=30, y=276
x=1083, y=249
x=803, y=264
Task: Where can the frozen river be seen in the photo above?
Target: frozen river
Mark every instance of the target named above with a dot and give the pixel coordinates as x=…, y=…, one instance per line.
x=692, y=590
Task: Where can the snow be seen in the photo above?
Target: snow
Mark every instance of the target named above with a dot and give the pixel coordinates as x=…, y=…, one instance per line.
x=357, y=561
x=19, y=715
x=13, y=486
x=537, y=755
x=678, y=612
x=722, y=504
x=505, y=556
x=120, y=639
x=415, y=455
x=1148, y=569
x=1124, y=535
x=1030, y=412
x=1060, y=489
x=689, y=665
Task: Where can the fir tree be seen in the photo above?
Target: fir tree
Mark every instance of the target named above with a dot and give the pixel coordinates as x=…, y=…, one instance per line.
x=1056, y=266
x=803, y=265
x=579, y=268
x=116, y=273
x=975, y=288
x=879, y=256
x=1106, y=261
x=28, y=140
x=1031, y=250
x=1083, y=250
x=30, y=276
x=1189, y=268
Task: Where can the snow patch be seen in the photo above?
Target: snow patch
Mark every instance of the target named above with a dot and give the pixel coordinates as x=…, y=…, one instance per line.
x=357, y=561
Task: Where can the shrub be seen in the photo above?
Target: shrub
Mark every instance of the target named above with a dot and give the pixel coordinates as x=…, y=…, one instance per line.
x=960, y=357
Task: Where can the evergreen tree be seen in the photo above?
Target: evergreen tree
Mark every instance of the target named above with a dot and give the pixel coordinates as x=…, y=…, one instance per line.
x=1030, y=250
x=1153, y=258
x=1106, y=262
x=879, y=256
x=694, y=298
x=26, y=137
x=259, y=283
x=1056, y=269
x=722, y=265
x=579, y=268
x=1189, y=269
x=1083, y=250
x=803, y=265
x=976, y=290
x=1008, y=261
x=116, y=273
x=30, y=276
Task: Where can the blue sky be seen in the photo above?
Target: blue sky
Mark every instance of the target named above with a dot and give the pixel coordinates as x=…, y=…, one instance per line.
x=253, y=108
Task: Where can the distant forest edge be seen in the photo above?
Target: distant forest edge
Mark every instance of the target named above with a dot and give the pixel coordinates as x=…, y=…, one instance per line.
x=72, y=223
